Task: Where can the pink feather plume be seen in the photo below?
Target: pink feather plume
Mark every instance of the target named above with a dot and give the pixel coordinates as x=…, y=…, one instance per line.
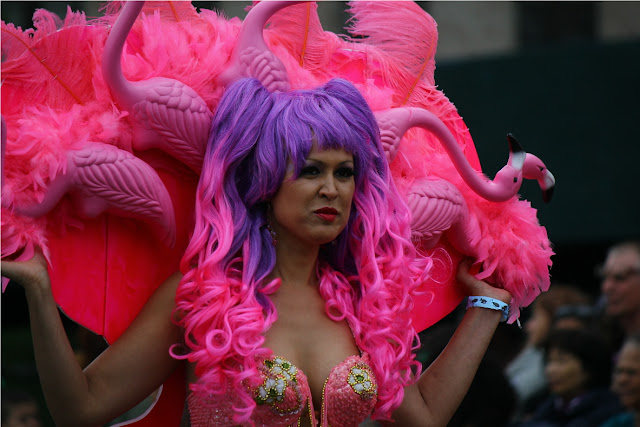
x=177, y=11
x=406, y=35
x=298, y=29
x=35, y=73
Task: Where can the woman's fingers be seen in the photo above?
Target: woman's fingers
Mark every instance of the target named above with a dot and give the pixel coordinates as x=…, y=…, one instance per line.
x=463, y=275
x=26, y=272
x=479, y=287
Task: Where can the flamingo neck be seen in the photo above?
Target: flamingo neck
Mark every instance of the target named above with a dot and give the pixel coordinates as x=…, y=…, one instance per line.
x=111, y=68
x=476, y=181
x=259, y=18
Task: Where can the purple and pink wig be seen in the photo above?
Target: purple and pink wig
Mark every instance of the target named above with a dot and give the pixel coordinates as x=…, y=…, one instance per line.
x=367, y=276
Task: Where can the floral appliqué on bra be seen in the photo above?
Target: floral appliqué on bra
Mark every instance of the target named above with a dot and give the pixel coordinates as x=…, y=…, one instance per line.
x=282, y=394
x=280, y=389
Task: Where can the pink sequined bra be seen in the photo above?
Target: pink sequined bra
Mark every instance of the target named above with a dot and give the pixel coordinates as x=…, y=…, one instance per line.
x=282, y=393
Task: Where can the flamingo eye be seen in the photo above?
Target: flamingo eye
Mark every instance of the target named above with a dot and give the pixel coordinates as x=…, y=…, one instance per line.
x=515, y=179
x=541, y=168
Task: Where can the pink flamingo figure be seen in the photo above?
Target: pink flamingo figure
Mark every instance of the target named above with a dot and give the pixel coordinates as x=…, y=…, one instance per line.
x=437, y=206
x=507, y=181
x=165, y=113
x=100, y=178
x=251, y=56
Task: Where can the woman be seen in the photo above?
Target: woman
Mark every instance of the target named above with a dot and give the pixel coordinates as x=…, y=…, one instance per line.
x=578, y=371
x=301, y=249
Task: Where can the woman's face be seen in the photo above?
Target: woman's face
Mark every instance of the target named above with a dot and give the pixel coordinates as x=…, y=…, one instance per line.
x=565, y=374
x=314, y=208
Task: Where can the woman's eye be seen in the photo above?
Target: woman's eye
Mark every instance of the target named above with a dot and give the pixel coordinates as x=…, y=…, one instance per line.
x=345, y=172
x=309, y=171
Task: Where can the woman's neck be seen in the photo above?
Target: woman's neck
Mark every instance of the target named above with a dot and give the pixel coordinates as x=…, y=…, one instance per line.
x=296, y=264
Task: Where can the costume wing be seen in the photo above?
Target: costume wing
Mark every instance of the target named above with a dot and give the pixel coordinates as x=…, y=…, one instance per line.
x=57, y=106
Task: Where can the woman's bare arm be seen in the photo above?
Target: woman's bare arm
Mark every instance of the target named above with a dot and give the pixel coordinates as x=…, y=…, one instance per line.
x=433, y=400
x=124, y=374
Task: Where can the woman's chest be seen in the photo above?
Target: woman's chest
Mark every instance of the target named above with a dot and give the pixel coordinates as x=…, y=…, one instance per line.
x=313, y=363
x=283, y=397
x=310, y=339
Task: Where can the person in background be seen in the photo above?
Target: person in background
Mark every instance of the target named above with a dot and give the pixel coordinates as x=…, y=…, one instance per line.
x=620, y=277
x=19, y=409
x=626, y=383
x=578, y=370
x=526, y=370
x=573, y=316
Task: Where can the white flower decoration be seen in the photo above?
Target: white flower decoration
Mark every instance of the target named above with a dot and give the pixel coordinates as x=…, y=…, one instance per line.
x=280, y=372
x=272, y=390
x=284, y=368
x=360, y=380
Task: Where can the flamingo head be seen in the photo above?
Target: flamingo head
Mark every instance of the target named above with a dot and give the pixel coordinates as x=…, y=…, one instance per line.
x=534, y=168
x=509, y=178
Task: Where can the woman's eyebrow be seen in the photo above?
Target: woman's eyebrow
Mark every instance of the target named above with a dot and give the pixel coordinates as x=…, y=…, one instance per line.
x=322, y=162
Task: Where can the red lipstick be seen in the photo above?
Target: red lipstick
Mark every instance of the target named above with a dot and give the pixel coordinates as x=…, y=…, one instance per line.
x=327, y=214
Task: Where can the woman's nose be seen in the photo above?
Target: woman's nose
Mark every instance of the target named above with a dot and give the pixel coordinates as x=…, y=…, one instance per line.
x=329, y=188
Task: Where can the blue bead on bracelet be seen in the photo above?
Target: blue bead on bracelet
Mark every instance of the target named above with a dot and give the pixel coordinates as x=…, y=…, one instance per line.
x=490, y=303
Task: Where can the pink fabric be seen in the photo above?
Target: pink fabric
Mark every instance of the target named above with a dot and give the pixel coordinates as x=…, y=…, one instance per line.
x=282, y=394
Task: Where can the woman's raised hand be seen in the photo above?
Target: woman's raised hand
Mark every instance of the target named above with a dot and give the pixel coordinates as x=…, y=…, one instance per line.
x=477, y=287
x=31, y=274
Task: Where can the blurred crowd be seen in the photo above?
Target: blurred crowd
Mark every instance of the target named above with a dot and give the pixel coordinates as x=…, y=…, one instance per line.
x=574, y=363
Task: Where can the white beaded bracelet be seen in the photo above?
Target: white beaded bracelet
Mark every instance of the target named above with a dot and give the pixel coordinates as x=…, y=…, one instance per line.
x=490, y=303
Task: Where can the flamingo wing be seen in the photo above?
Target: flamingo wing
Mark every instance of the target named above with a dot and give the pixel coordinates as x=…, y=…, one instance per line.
x=435, y=206
x=173, y=118
x=110, y=179
x=102, y=178
x=392, y=129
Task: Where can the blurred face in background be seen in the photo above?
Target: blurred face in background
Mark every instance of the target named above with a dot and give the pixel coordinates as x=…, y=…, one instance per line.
x=23, y=414
x=538, y=325
x=566, y=376
x=626, y=376
x=621, y=282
